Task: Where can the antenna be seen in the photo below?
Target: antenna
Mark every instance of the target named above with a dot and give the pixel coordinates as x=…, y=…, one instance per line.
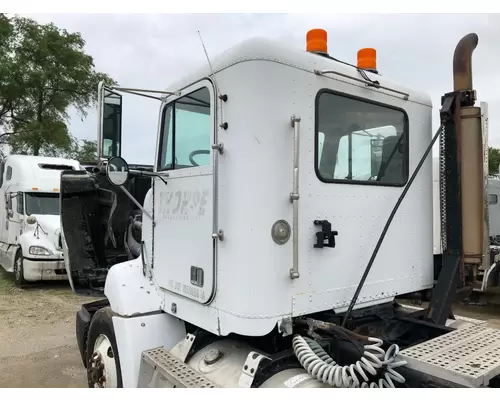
x=209, y=63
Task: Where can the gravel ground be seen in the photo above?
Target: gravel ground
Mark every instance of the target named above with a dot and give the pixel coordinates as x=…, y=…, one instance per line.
x=37, y=334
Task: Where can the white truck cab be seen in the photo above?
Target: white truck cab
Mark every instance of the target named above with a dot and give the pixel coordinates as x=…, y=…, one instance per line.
x=30, y=245
x=289, y=203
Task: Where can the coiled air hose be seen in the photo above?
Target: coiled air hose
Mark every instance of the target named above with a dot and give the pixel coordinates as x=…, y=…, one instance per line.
x=322, y=367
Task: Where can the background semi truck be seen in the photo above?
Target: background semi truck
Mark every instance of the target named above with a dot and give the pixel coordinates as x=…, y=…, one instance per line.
x=262, y=250
x=30, y=224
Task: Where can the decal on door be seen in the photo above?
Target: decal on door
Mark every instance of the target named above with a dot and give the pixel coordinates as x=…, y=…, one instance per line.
x=183, y=204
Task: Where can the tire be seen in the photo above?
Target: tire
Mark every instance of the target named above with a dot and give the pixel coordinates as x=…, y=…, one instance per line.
x=19, y=270
x=101, y=340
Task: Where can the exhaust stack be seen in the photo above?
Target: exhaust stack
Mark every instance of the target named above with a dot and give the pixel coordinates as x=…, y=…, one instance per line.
x=470, y=153
x=462, y=62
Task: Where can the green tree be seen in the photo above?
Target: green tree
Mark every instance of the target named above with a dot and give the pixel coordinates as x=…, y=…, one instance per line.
x=493, y=160
x=84, y=151
x=47, y=72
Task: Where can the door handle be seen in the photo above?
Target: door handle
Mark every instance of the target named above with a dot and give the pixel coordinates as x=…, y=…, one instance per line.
x=326, y=234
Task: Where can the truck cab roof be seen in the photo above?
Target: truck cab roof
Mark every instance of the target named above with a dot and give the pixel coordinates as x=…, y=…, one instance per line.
x=262, y=49
x=28, y=173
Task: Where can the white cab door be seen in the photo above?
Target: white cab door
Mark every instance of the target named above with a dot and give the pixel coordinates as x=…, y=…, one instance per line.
x=183, y=247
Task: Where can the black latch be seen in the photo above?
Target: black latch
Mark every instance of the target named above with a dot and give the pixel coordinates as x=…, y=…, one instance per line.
x=326, y=234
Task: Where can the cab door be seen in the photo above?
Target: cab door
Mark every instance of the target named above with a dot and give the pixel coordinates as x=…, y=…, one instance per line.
x=183, y=247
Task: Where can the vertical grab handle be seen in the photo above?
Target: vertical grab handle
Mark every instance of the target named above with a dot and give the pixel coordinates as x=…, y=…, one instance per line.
x=294, y=197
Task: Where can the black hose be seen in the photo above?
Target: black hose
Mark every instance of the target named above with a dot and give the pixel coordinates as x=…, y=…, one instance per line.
x=386, y=227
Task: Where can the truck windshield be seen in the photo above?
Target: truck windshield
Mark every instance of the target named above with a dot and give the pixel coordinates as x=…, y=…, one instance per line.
x=42, y=203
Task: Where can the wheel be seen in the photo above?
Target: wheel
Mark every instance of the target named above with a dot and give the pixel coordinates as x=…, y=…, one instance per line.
x=19, y=270
x=103, y=361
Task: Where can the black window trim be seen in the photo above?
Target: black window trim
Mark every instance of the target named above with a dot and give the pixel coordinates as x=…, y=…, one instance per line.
x=368, y=101
x=206, y=83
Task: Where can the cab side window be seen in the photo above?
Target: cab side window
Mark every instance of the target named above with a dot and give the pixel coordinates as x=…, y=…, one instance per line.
x=2, y=170
x=359, y=142
x=186, y=132
x=20, y=203
x=8, y=201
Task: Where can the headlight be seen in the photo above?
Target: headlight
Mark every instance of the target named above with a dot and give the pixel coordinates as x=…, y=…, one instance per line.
x=39, y=251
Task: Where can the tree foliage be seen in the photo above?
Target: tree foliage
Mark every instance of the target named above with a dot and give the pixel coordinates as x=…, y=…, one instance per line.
x=493, y=160
x=44, y=71
x=85, y=151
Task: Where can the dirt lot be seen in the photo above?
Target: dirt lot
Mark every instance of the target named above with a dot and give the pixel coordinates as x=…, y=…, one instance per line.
x=37, y=336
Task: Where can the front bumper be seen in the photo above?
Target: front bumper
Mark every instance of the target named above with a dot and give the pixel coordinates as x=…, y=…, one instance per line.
x=83, y=318
x=44, y=270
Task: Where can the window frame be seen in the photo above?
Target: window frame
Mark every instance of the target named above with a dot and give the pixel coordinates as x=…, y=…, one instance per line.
x=367, y=101
x=202, y=84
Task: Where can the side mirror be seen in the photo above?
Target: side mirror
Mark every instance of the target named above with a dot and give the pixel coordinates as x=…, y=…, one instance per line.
x=110, y=124
x=31, y=220
x=117, y=171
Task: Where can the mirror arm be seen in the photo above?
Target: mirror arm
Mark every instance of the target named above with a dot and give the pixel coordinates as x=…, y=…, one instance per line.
x=137, y=204
x=142, y=95
x=126, y=89
x=161, y=177
x=147, y=173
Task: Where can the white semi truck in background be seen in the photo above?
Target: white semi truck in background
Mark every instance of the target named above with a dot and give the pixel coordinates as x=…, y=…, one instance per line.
x=30, y=223
x=259, y=251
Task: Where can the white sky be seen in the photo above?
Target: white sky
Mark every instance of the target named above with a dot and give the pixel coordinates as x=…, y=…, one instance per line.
x=152, y=50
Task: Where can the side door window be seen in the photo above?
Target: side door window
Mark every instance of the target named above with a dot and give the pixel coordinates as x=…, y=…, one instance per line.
x=186, y=132
x=8, y=206
x=2, y=169
x=20, y=203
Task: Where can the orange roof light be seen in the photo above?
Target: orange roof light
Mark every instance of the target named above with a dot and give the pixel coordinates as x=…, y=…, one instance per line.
x=34, y=188
x=367, y=59
x=316, y=41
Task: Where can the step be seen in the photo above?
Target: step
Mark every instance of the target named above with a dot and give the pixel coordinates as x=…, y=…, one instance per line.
x=176, y=373
x=469, y=357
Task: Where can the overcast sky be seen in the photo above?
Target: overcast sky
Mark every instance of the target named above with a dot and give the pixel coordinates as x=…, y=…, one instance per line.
x=153, y=50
